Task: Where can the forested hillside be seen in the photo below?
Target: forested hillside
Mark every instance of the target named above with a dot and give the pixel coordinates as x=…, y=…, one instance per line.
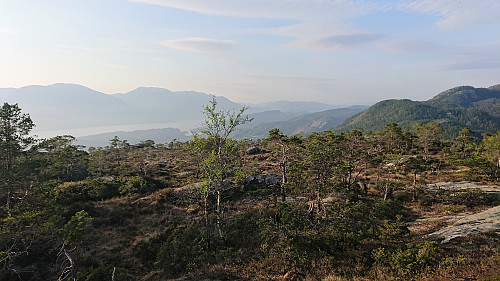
x=303, y=124
x=351, y=206
x=465, y=106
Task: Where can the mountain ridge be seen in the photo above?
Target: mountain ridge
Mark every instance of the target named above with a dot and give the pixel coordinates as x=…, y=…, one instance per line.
x=64, y=106
x=456, y=108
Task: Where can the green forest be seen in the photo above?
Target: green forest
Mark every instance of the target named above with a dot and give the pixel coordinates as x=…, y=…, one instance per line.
x=327, y=206
x=455, y=109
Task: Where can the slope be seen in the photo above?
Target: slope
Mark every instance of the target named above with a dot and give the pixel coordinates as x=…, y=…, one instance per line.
x=302, y=124
x=465, y=106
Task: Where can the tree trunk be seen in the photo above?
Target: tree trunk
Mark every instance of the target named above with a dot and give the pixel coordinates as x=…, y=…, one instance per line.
x=388, y=191
x=283, y=181
x=218, y=212
x=7, y=205
x=283, y=176
x=414, y=186
x=70, y=270
x=207, y=223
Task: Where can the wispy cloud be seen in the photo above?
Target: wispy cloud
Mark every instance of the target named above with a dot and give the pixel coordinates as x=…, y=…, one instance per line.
x=200, y=45
x=293, y=78
x=346, y=41
x=410, y=46
x=484, y=51
x=309, y=20
x=459, y=14
x=283, y=9
x=477, y=65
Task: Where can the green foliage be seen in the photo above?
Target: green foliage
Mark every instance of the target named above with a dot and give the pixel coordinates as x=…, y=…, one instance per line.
x=74, y=229
x=294, y=237
x=479, y=167
x=180, y=250
x=428, y=136
x=217, y=156
x=70, y=192
x=490, y=147
x=247, y=223
x=403, y=112
x=325, y=225
x=395, y=231
x=14, y=132
x=14, y=139
x=462, y=96
x=388, y=209
x=98, y=189
x=131, y=185
x=62, y=160
x=90, y=189
x=453, y=109
x=474, y=198
x=410, y=260
x=323, y=159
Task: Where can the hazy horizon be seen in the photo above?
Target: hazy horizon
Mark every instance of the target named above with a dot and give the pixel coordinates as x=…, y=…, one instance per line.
x=334, y=52
x=180, y=91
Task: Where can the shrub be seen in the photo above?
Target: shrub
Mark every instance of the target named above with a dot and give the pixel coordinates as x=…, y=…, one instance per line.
x=410, y=260
x=95, y=189
x=100, y=189
x=70, y=192
x=131, y=185
x=395, y=231
x=180, y=250
x=75, y=227
x=473, y=198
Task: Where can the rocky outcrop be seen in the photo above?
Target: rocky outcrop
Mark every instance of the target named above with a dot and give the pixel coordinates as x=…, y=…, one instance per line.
x=254, y=150
x=263, y=179
x=488, y=220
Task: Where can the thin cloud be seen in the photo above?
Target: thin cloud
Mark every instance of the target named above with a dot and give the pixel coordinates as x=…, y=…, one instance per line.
x=113, y=65
x=4, y=30
x=74, y=47
x=309, y=20
x=459, y=14
x=346, y=41
x=282, y=9
x=410, y=46
x=200, y=45
x=293, y=78
x=471, y=66
x=484, y=51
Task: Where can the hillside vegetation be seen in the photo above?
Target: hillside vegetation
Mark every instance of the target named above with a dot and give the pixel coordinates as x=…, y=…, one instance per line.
x=303, y=124
x=326, y=206
x=465, y=106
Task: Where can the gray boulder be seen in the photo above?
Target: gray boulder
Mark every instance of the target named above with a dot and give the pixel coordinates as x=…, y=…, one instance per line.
x=254, y=150
x=263, y=179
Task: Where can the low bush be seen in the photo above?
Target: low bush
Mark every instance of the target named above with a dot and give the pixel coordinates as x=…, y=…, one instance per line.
x=410, y=260
x=181, y=250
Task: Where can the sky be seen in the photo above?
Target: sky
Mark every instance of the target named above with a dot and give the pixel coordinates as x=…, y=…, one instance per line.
x=253, y=51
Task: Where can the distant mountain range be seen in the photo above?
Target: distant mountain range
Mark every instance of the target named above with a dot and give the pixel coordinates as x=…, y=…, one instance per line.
x=70, y=106
x=303, y=124
x=464, y=106
x=162, y=115
x=139, y=114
